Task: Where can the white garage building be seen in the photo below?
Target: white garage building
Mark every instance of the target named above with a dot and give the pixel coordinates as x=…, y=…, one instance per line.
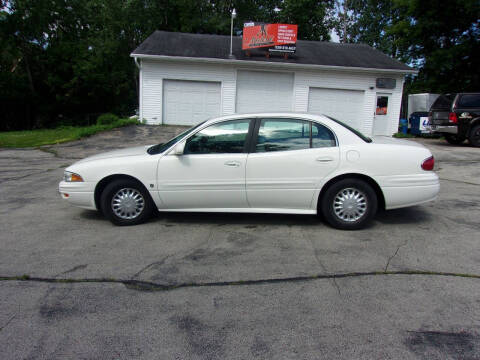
x=187, y=78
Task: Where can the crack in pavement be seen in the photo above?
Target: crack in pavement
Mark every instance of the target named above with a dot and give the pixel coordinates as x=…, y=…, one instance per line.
x=319, y=262
x=54, y=152
x=152, y=286
x=75, y=268
x=162, y=261
x=159, y=263
x=459, y=181
x=8, y=322
x=395, y=254
x=459, y=160
x=27, y=175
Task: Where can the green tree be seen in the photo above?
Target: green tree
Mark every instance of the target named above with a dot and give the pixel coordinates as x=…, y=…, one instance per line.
x=314, y=18
x=443, y=40
x=368, y=21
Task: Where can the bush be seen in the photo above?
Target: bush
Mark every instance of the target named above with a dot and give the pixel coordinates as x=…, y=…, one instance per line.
x=107, y=119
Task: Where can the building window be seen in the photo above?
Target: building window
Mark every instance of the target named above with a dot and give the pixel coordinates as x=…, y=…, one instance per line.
x=382, y=105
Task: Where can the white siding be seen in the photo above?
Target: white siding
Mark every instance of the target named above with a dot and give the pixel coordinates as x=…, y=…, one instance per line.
x=304, y=80
x=340, y=104
x=259, y=91
x=396, y=105
x=190, y=102
x=154, y=71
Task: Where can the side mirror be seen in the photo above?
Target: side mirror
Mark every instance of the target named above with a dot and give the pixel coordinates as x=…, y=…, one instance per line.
x=178, y=149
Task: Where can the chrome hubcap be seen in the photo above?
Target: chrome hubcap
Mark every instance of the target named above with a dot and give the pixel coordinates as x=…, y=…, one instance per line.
x=127, y=203
x=350, y=204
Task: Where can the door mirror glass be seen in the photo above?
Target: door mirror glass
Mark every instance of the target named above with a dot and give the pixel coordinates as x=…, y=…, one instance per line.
x=178, y=149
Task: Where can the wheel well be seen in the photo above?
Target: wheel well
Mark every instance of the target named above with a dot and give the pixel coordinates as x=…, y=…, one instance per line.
x=367, y=179
x=473, y=123
x=102, y=184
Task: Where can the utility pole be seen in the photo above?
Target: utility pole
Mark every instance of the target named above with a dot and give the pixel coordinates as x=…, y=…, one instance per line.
x=234, y=14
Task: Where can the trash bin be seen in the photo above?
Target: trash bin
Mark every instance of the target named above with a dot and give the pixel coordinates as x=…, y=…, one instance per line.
x=418, y=123
x=403, y=126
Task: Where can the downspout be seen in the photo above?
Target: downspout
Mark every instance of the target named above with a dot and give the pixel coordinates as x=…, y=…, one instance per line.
x=140, y=92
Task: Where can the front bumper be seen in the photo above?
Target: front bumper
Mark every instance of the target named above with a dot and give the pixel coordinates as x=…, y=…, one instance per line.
x=79, y=194
x=444, y=129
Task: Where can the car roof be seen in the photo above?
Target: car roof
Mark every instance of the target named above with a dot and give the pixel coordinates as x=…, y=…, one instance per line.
x=303, y=115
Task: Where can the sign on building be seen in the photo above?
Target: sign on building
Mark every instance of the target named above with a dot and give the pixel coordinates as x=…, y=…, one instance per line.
x=276, y=37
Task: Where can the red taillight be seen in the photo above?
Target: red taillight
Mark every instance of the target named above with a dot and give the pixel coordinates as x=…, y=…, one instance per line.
x=428, y=164
x=452, y=117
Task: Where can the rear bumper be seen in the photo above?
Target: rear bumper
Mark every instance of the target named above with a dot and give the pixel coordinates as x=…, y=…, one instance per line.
x=448, y=129
x=408, y=190
x=78, y=194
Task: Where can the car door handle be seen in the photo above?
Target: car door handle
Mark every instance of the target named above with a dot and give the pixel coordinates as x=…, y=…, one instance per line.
x=232, y=163
x=324, y=159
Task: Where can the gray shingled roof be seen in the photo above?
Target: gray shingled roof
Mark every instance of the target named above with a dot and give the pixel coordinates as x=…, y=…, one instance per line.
x=308, y=52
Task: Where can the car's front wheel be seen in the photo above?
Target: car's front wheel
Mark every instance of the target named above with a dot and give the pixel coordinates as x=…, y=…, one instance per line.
x=126, y=202
x=349, y=204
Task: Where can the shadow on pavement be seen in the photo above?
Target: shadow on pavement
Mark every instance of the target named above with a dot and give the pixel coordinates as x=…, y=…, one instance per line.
x=406, y=216
x=412, y=215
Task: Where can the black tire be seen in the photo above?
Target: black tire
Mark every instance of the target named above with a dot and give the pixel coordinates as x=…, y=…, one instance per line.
x=454, y=139
x=474, y=138
x=364, y=206
x=130, y=192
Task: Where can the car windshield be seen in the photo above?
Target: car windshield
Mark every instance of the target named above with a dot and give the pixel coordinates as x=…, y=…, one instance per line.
x=356, y=132
x=159, y=148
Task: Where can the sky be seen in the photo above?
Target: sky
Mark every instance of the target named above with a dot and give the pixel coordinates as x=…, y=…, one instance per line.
x=334, y=36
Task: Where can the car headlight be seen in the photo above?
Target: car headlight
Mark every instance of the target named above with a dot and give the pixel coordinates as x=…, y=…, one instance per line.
x=71, y=177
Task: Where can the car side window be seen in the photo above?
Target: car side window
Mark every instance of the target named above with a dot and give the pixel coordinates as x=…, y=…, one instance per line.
x=282, y=135
x=222, y=138
x=322, y=136
x=469, y=101
x=292, y=134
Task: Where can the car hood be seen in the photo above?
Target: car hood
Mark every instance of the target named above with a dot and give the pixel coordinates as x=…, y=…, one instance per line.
x=392, y=141
x=138, y=150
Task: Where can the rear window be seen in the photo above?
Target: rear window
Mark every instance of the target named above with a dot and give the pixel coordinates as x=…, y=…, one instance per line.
x=469, y=101
x=444, y=101
x=356, y=132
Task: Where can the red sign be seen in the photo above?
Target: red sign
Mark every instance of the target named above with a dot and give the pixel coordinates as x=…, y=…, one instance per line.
x=268, y=35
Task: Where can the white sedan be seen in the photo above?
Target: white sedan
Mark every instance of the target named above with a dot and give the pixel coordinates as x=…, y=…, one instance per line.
x=257, y=163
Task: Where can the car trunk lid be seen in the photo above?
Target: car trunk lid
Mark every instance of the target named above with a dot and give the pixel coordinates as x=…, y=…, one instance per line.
x=392, y=141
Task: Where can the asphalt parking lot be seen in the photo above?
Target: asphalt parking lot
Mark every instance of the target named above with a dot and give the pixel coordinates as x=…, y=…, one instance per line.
x=234, y=286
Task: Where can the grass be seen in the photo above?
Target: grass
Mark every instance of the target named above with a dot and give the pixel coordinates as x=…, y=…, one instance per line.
x=34, y=138
x=401, y=135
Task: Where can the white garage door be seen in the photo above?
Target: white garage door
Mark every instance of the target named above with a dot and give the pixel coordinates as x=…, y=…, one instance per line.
x=264, y=91
x=190, y=102
x=344, y=105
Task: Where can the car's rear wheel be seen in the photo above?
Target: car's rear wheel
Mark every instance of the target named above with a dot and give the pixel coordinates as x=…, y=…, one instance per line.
x=126, y=202
x=474, y=138
x=454, y=139
x=349, y=204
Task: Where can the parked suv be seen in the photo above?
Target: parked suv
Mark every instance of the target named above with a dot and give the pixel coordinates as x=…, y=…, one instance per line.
x=457, y=117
